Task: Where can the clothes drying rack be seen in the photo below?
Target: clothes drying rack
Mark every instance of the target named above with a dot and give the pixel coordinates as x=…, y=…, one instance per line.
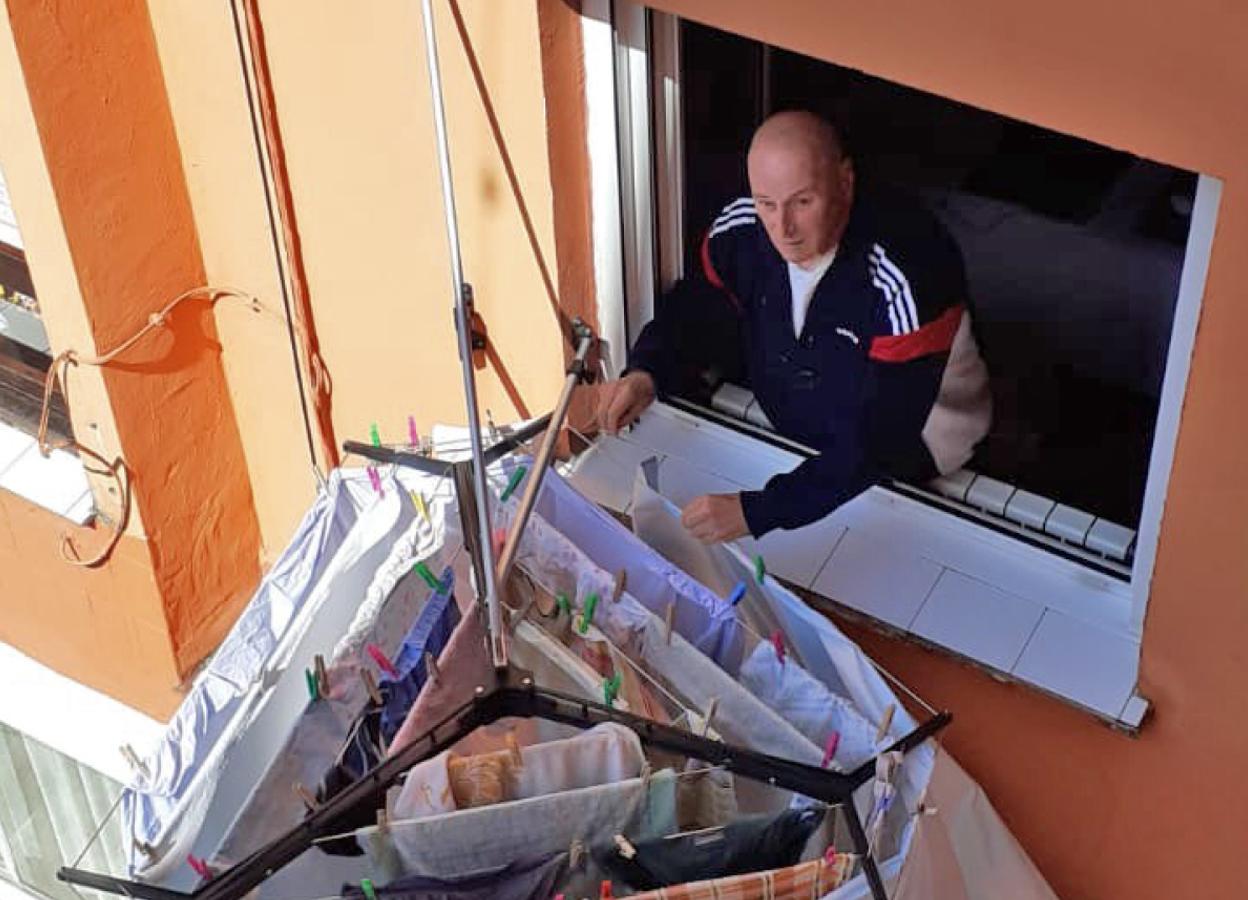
x=509, y=691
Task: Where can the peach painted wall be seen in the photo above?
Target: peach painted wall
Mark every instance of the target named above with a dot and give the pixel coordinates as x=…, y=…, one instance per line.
x=1103, y=815
x=94, y=85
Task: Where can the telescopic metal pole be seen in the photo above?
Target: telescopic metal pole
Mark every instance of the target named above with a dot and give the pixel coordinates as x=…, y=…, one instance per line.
x=463, y=327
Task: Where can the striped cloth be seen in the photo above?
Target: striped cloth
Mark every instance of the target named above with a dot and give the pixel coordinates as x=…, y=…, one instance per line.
x=804, y=881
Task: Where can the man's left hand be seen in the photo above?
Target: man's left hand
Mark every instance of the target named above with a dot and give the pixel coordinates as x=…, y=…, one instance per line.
x=713, y=518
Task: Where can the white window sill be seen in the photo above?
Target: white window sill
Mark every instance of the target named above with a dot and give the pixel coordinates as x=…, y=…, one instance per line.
x=57, y=482
x=1024, y=614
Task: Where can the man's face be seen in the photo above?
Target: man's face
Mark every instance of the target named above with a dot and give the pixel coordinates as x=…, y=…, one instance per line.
x=802, y=198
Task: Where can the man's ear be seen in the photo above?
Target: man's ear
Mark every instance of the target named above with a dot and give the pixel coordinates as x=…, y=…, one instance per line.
x=845, y=175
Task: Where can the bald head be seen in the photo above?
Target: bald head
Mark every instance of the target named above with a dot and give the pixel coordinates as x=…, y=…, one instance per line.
x=802, y=184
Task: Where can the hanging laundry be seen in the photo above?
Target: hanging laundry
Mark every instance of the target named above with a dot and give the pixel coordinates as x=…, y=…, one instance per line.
x=804, y=881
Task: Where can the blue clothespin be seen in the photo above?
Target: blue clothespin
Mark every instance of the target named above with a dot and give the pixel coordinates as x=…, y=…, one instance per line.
x=737, y=593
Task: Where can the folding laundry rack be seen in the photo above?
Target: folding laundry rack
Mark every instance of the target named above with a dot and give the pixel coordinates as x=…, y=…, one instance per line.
x=511, y=692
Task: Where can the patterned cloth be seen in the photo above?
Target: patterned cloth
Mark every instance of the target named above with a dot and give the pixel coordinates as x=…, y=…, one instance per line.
x=804, y=881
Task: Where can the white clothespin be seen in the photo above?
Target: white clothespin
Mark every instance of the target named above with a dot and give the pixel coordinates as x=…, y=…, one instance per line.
x=625, y=847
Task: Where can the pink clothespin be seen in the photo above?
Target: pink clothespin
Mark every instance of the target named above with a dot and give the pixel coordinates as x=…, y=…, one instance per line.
x=777, y=641
x=500, y=538
x=829, y=855
x=200, y=867
x=382, y=662
x=829, y=749
x=375, y=479
x=413, y=436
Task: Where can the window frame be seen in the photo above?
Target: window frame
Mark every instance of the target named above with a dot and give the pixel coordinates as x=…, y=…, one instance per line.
x=647, y=147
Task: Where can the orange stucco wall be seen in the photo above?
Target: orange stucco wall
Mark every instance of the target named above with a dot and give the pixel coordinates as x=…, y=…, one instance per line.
x=1103, y=815
x=104, y=126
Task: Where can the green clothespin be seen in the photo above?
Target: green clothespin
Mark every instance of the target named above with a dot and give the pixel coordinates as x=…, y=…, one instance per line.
x=587, y=616
x=313, y=690
x=366, y=885
x=513, y=483
x=760, y=568
x=563, y=604
x=374, y=434
x=423, y=571
x=611, y=689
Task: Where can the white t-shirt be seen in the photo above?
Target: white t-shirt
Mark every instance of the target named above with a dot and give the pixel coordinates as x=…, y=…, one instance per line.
x=802, y=282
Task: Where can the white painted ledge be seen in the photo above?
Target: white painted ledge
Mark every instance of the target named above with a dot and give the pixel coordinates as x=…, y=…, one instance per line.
x=57, y=482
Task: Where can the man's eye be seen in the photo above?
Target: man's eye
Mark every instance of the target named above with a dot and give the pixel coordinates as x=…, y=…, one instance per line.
x=804, y=201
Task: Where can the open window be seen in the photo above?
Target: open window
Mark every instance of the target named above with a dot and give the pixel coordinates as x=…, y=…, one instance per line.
x=1086, y=267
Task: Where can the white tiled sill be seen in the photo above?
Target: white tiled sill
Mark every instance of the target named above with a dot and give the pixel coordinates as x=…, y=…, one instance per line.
x=57, y=482
x=1024, y=614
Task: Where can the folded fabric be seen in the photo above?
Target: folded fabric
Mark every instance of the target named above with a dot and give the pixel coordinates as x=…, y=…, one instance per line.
x=748, y=845
x=535, y=879
x=429, y=634
x=469, y=840
x=804, y=881
x=813, y=709
x=606, y=753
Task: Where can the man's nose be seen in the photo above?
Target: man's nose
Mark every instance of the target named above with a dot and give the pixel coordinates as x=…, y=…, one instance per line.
x=787, y=222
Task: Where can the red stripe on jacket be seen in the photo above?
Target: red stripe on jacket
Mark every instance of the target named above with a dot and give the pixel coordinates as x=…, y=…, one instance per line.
x=934, y=337
x=708, y=269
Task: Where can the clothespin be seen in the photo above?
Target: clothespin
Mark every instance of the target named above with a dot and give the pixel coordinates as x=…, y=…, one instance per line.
x=563, y=604
x=370, y=685
x=366, y=885
x=625, y=847
x=426, y=576
x=885, y=723
x=512, y=483
x=760, y=568
x=431, y=668
x=500, y=541
x=617, y=591
x=587, y=614
x=418, y=501
x=375, y=479
x=604, y=892
x=133, y=759
x=383, y=821
x=829, y=855
x=668, y=616
x=144, y=847
x=413, y=436
x=576, y=853
x=710, y=714
x=829, y=749
x=611, y=689
x=777, y=641
x=314, y=691
x=374, y=434
x=322, y=675
x=305, y=795
x=200, y=867
x=737, y=593
x=513, y=747
x=382, y=662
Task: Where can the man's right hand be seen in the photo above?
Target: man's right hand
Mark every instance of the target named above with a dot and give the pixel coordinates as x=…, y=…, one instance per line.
x=620, y=402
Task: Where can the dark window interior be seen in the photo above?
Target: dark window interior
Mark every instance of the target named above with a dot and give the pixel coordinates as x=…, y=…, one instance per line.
x=1073, y=250
x=23, y=368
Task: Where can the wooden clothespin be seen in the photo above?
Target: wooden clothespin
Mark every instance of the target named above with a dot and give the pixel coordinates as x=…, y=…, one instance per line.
x=617, y=591
x=710, y=714
x=132, y=758
x=322, y=675
x=305, y=795
x=431, y=668
x=370, y=685
x=886, y=722
x=366, y=885
x=513, y=747
x=668, y=616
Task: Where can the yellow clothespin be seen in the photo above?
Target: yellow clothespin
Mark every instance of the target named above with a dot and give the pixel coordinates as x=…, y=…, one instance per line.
x=621, y=579
x=886, y=722
x=305, y=795
x=418, y=501
x=668, y=616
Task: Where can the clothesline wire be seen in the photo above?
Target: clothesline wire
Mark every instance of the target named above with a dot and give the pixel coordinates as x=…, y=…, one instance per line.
x=99, y=829
x=598, y=446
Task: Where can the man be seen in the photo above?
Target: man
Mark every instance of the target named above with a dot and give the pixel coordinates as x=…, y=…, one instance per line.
x=847, y=317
